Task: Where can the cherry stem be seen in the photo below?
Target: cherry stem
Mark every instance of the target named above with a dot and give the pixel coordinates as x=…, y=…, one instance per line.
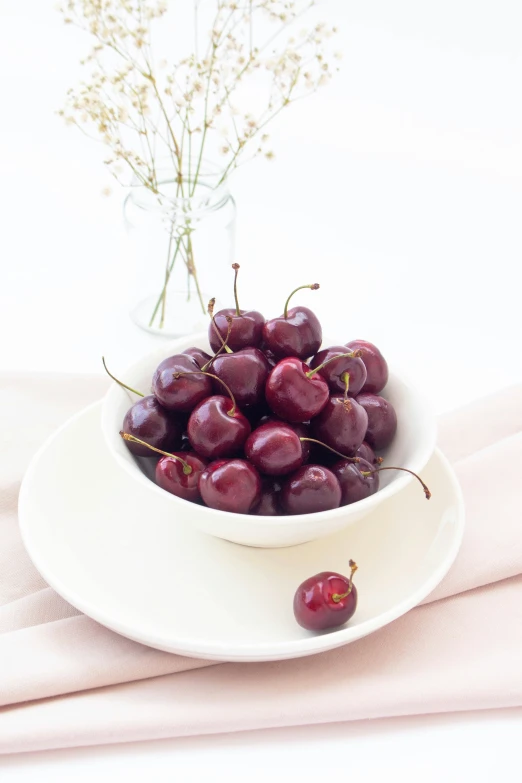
x=235, y=267
x=232, y=410
x=313, y=287
x=336, y=597
x=351, y=355
x=223, y=347
x=210, y=311
x=320, y=443
x=345, y=377
x=120, y=383
x=390, y=467
x=187, y=470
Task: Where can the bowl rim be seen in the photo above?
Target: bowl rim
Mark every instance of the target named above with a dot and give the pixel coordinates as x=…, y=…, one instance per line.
x=112, y=440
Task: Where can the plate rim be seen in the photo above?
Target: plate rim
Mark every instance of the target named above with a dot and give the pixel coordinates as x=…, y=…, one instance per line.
x=218, y=651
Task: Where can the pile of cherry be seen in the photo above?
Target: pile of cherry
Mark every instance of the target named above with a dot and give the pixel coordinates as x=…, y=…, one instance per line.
x=270, y=425
x=254, y=429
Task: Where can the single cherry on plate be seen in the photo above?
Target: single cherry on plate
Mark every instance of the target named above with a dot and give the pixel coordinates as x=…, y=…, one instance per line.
x=295, y=333
x=382, y=420
x=341, y=424
x=216, y=427
x=357, y=480
x=177, y=473
x=247, y=325
x=245, y=372
x=178, y=383
x=326, y=600
x=147, y=420
x=375, y=363
x=230, y=485
x=344, y=372
x=310, y=489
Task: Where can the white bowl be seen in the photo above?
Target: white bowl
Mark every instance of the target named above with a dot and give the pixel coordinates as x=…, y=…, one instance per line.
x=412, y=447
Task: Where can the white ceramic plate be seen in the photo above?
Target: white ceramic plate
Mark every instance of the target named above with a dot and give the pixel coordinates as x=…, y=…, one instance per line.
x=90, y=532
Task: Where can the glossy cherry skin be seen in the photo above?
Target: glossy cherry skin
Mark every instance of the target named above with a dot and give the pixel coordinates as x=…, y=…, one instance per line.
x=341, y=424
x=230, y=485
x=271, y=359
x=170, y=475
x=298, y=335
x=245, y=372
x=292, y=395
x=274, y=449
x=375, y=363
x=269, y=505
x=382, y=420
x=335, y=369
x=301, y=430
x=148, y=421
x=355, y=486
x=201, y=357
x=212, y=432
x=366, y=452
x=314, y=607
x=311, y=488
x=246, y=329
x=180, y=394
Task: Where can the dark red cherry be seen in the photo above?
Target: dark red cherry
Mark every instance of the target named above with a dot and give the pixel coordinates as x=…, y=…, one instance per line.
x=201, y=357
x=183, y=393
x=269, y=505
x=148, y=421
x=245, y=372
x=271, y=359
x=326, y=600
x=341, y=424
x=230, y=485
x=311, y=488
x=245, y=332
x=301, y=430
x=216, y=428
x=366, y=452
x=375, y=363
x=172, y=475
x=382, y=420
x=274, y=449
x=294, y=392
x=354, y=485
x=334, y=371
x=295, y=333
x=246, y=326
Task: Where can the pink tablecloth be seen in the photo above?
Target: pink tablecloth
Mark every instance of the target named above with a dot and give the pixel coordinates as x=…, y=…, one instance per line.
x=67, y=681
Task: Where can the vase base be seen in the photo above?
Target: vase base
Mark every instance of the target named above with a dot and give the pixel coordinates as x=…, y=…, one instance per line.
x=181, y=316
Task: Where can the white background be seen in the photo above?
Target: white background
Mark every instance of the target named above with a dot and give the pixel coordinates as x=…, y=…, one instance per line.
x=399, y=188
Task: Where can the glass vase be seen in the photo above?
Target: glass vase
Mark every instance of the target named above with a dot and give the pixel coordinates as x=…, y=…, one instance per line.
x=182, y=241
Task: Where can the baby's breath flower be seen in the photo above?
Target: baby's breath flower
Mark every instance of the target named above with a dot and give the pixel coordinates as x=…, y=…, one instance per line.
x=142, y=111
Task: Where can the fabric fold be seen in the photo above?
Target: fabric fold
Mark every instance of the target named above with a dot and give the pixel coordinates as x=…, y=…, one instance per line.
x=65, y=680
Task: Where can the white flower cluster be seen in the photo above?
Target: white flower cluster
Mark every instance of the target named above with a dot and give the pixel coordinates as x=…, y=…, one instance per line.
x=144, y=107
